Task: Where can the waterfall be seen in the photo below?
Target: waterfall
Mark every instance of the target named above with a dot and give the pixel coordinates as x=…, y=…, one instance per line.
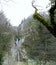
x=17, y=43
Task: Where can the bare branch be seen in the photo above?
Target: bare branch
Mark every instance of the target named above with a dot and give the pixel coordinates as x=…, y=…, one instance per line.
x=51, y=27
x=34, y=5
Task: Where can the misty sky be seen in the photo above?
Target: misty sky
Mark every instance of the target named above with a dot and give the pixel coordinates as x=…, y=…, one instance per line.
x=17, y=10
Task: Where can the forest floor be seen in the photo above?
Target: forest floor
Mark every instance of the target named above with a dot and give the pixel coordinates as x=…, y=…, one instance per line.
x=23, y=63
x=31, y=63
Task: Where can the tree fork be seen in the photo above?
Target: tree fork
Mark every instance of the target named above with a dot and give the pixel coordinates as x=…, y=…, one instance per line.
x=51, y=27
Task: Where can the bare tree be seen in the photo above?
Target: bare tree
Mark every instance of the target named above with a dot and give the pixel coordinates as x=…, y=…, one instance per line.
x=50, y=26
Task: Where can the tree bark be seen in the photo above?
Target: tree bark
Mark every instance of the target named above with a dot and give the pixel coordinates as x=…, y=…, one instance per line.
x=45, y=23
x=52, y=26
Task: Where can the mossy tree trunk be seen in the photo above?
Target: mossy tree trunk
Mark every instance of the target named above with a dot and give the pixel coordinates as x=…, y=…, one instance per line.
x=52, y=26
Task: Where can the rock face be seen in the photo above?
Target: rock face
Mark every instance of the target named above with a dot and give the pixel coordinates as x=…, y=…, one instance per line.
x=24, y=24
x=14, y=55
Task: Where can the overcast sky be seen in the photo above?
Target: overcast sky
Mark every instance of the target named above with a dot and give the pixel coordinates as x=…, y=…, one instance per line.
x=17, y=10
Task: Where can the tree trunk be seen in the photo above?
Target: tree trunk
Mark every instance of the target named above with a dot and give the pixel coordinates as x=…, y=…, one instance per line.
x=52, y=26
